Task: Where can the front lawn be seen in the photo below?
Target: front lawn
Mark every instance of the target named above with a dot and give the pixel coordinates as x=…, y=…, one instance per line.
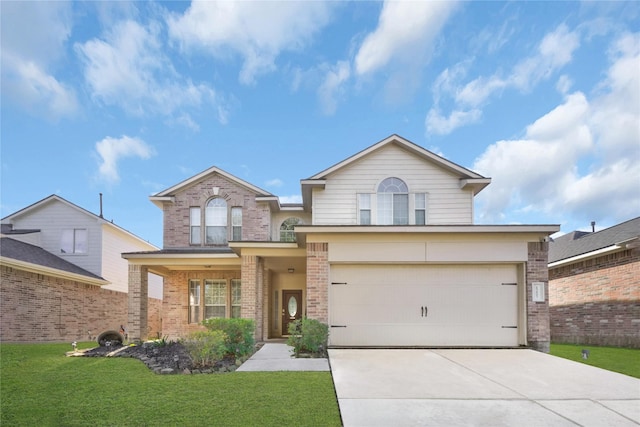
x=40, y=386
x=623, y=360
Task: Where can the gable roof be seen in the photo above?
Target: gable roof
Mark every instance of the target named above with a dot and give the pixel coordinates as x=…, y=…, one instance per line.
x=468, y=178
x=25, y=256
x=167, y=195
x=582, y=244
x=55, y=198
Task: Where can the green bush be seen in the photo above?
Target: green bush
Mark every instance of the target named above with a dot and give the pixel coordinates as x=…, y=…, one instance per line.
x=308, y=336
x=206, y=347
x=240, y=340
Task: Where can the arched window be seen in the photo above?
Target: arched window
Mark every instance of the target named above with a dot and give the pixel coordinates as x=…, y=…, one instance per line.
x=216, y=222
x=393, y=202
x=286, y=229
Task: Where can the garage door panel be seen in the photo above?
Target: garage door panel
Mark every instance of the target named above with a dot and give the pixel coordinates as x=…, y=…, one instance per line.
x=424, y=305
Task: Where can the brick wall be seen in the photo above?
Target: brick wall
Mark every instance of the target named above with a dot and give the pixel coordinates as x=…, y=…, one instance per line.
x=538, y=328
x=175, y=307
x=597, y=301
x=40, y=308
x=318, y=281
x=255, y=217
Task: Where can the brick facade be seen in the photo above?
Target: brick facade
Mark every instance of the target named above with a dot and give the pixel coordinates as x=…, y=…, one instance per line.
x=538, y=329
x=41, y=308
x=255, y=216
x=318, y=281
x=597, y=301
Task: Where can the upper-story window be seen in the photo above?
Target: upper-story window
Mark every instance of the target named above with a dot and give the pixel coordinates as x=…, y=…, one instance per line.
x=74, y=241
x=236, y=223
x=195, y=219
x=393, y=202
x=216, y=222
x=286, y=229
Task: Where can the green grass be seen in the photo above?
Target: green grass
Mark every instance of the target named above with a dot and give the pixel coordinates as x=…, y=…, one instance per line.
x=623, y=360
x=40, y=386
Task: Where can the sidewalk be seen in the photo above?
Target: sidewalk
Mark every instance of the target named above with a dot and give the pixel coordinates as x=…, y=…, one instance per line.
x=278, y=357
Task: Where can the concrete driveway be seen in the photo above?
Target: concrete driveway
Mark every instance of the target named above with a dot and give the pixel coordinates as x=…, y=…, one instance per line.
x=478, y=388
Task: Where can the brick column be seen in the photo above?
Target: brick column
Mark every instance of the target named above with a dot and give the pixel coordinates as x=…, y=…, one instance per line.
x=252, y=276
x=538, y=319
x=318, y=281
x=138, y=303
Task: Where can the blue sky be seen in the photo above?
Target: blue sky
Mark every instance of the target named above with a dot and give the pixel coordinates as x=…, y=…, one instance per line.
x=127, y=99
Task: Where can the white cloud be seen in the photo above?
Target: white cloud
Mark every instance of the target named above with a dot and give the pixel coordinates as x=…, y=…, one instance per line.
x=580, y=159
x=437, y=124
x=112, y=150
x=33, y=36
x=406, y=30
x=554, y=51
x=332, y=88
x=257, y=31
x=129, y=69
x=295, y=199
x=276, y=182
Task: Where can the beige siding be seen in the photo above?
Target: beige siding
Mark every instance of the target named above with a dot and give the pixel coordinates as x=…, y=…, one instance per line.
x=52, y=218
x=279, y=217
x=446, y=204
x=116, y=269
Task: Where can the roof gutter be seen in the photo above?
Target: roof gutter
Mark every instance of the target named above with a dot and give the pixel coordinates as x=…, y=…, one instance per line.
x=54, y=272
x=617, y=247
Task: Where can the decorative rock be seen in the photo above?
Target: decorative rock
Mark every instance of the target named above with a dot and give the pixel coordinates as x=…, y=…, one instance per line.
x=167, y=371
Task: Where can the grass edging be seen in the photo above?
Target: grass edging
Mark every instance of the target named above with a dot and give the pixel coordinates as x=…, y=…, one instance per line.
x=622, y=360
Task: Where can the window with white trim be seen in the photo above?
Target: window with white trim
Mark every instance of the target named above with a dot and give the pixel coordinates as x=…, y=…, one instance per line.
x=195, y=218
x=287, y=233
x=236, y=223
x=216, y=222
x=393, y=202
x=194, y=301
x=236, y=298
x=215, y=298
x=420, y=207
x=364, y=209
x=74, y=241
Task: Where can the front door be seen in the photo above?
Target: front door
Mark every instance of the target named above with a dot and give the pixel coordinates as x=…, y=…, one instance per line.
x=291, y=308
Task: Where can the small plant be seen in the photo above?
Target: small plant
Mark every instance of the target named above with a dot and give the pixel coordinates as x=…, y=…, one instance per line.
x=206, y=347
x=240, y=341
x=161, y=342
x=308, y=336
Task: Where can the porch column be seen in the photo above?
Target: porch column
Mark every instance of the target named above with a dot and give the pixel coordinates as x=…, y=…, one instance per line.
x=318, y=281
x=538, y=318
x=252, y=291
x=138, y=302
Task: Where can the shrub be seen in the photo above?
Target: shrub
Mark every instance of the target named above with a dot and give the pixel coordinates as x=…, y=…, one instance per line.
x=308, y=336
x=206, y=347
x=239, y=332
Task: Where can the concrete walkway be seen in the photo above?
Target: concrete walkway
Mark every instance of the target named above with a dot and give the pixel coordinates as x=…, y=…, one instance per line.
x=278, y=357
x=478, y=388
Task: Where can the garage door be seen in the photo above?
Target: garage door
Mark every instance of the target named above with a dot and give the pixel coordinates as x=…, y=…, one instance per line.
x=445, y=305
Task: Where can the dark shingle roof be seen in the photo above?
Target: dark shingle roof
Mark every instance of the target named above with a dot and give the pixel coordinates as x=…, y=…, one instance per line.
x=580, y=242
x=25, y=252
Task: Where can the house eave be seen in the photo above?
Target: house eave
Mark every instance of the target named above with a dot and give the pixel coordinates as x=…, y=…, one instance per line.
x=545, y=229
x=474, y=184
x=617, y=247
x=53, y=272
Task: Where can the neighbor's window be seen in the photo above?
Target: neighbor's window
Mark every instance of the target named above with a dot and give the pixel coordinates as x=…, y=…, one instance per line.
x=215, y=298
x=421, y=208
x=236, y=297
x=393, y=202
x=194, y=301
x=236, y=223
x=216, y=222
x=364, y=209
x=74, y=241
x=286, y=229
x=194, y=226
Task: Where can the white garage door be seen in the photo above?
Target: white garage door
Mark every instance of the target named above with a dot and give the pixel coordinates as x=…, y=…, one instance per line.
x=411, y=305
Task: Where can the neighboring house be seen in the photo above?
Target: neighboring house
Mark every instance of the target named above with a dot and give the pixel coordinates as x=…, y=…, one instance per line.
x=594, y=286
x=63, y=276
x=382, y=248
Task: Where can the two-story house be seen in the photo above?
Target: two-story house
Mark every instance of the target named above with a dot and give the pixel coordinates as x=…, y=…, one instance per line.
x=382, y=248
x=63, y=276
